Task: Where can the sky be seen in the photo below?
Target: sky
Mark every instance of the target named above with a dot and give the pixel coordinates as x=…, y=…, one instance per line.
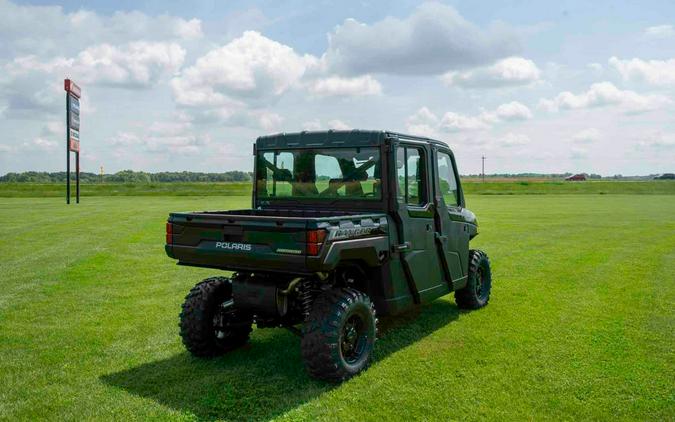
x=546, y=87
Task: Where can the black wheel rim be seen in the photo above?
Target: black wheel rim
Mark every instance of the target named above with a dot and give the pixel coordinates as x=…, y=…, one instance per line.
x=221, y=319
x=479, y=283
x=353, y=339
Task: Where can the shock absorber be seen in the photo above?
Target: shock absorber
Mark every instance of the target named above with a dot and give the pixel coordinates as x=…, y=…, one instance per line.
x=305, y=297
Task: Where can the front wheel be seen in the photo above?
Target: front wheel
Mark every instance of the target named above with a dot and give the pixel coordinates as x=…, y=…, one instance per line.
x=339, y=335
x=209, y=323
x=476, y=293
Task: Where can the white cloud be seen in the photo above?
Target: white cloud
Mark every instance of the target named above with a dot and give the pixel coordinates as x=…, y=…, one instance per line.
x=52, y=135
x=248, y=68
x=179, y=125
x=513, y=111
x=434, y=39
x=658, y=141
x=660, y=31
x=455, y=122
x=312, y=125
x=426, y=123
x=513, y=139
x=47, y=30
x=512, y=71
x=43, y=144
x=423, y=123
x=338, y=125
x=39, y=144
x=54, y=128
x=175, y=136
x=270, y=121
x=335, y=86
x=31, y=97
x=188, y=30
x=124, y=139
x=596, y=67
x=334, y=124
x=578, y=153
x=135, y=64
x=43, y=44
x=587, y=136
x=653, y=72
x=604, y=94
x=176, y=144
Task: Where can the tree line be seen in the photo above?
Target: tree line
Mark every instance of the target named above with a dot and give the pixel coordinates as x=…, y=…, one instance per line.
x=128, y=176
x=534, y=175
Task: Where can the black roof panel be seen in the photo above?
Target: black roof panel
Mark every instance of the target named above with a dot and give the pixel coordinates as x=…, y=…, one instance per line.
x=334, y=138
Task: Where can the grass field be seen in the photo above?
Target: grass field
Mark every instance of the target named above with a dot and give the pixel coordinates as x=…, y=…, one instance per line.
x=581, y=324
x=471, y=187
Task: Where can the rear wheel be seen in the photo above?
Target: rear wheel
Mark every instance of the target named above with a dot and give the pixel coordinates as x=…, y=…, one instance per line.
x=476, y=293
x=339, y=336
x=209, y=323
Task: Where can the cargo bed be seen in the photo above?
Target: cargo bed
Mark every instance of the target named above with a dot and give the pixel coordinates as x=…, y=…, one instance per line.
x=282, y=240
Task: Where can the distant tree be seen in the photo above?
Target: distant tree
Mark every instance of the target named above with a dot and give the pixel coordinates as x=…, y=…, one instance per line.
x=128, y=176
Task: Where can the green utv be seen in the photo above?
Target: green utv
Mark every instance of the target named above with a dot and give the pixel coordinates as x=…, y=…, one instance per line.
x=345, y=225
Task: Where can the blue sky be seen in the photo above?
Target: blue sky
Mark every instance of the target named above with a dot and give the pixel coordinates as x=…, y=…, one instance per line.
x=535, y=86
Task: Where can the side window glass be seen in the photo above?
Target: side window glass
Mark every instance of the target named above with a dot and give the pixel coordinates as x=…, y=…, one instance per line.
x=447, y=180
x=410, y=175
x=400, y=174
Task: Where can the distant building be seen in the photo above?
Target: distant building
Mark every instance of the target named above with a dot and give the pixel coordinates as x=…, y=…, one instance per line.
x=576, y=177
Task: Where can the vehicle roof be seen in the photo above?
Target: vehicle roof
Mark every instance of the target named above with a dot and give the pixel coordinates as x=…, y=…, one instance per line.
x=335, y=138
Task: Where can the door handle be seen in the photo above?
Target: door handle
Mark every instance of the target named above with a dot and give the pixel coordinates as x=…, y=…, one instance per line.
x=402, y=247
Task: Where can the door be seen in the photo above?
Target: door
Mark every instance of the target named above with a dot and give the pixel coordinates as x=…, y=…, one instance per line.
x=417, y=220
x=454, y=233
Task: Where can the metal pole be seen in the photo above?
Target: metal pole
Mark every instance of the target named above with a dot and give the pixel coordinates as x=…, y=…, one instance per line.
x=67, y=148
x=77, y=177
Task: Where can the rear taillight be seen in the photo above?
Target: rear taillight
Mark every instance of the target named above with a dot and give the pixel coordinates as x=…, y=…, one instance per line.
x=315, y=240
x=169, y=233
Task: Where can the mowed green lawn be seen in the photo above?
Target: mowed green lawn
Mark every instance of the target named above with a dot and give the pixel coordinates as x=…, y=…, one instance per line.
x=581, y=324
x=470, y=186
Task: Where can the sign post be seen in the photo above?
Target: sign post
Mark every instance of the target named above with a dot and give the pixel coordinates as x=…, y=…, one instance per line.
x=73, y=94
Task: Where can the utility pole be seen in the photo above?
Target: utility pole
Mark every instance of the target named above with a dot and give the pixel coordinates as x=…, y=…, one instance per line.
x=101, y=179
x=483, y=167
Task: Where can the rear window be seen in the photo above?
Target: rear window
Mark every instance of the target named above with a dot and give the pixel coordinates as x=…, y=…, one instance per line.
x=331, y=173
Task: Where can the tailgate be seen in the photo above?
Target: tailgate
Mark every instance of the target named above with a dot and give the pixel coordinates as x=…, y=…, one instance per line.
x=237, y=241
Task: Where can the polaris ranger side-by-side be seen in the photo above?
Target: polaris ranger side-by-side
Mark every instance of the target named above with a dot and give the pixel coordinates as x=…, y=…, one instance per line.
x=345, y=225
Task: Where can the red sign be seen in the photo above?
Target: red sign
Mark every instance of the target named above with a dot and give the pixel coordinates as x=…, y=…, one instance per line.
x=72, y=87
x=74, y=140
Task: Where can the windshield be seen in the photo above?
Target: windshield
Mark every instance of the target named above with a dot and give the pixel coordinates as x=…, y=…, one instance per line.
x=332, y=173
